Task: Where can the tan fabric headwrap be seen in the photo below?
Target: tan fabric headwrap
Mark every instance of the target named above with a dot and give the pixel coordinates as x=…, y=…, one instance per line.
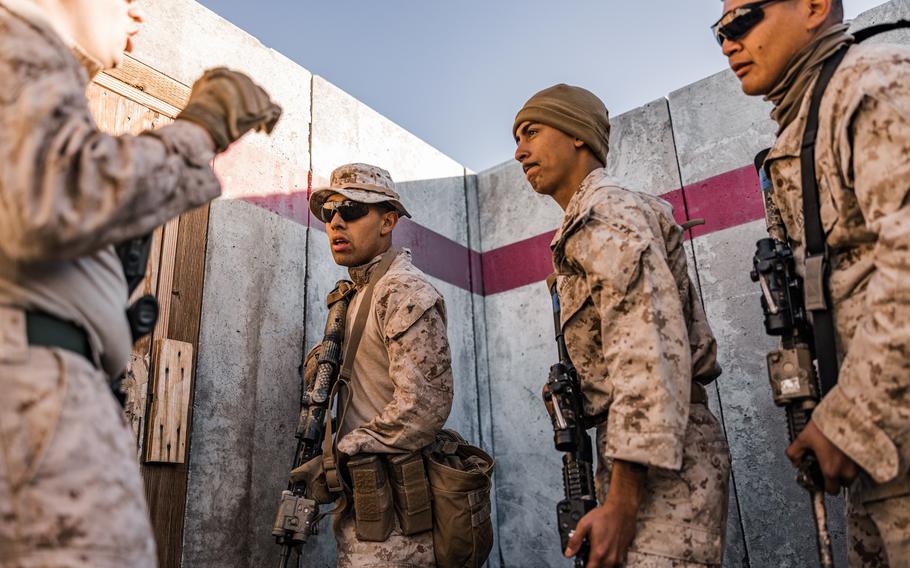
x=788, y=93
x=573, y=110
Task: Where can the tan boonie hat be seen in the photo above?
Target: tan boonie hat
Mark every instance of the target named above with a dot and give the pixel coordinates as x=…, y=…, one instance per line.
x=359, y=182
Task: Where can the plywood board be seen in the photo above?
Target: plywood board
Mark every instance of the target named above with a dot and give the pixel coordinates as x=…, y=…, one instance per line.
x=170, y=403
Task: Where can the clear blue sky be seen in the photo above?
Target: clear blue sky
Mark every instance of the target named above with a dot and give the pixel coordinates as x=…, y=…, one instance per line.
x=455, y=72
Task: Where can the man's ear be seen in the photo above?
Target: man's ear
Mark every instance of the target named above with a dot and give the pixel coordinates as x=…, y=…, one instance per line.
x=579, y=142
x=819, y=13
x=389, y=220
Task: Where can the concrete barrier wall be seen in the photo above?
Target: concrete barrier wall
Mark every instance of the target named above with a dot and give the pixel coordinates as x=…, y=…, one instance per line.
x=483, y=239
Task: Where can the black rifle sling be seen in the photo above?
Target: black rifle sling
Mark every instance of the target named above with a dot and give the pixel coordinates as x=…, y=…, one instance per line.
x=818, y=299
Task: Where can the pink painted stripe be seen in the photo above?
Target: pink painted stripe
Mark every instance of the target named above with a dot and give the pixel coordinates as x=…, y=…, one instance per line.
x=727, y=200
x=517, y=264
x=436, y=255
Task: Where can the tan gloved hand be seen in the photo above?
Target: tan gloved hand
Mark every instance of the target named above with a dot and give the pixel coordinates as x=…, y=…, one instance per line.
x=228, y=104
x=313, y=475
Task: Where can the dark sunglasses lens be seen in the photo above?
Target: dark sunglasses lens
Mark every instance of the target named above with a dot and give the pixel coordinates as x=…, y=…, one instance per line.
x=349, y=211
x=740, y=25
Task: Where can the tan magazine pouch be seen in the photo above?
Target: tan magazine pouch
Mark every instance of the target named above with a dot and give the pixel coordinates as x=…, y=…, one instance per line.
x=373, y=512
x=411, y=491
x=460, y=480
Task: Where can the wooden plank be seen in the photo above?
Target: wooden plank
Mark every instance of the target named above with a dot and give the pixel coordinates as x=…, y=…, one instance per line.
x=166, y=484
x=154, y=86
x=186, y=289
x=167, y=431
x=136, y=95
x=165, y=493
x=166, y=269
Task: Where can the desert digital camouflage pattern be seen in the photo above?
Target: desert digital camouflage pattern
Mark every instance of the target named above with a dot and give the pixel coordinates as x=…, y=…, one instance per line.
x=402, y=394
x=397, y=551
x=863, y=169
x=637, y=334
x=70, y=490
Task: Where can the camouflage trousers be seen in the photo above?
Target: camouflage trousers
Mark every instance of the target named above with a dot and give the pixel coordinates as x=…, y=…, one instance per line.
x=397, y=551
x=70, y=490
x=640, y=560
x=683, y=517
x=878, y=531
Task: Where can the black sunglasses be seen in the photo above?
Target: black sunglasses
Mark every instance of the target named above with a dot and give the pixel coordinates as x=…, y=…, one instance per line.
x=349, y=210
x=737, y=22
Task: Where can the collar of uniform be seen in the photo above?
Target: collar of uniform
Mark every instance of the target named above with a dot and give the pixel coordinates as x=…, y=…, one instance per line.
x=38, y=16
x=576, y=205
x=360, y=275
x=790, y=139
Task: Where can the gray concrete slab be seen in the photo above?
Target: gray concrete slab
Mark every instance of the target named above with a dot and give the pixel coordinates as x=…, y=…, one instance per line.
x=247, y=385
x=182, y=38
x=460, y=311
x=481, y=358
x=528, y=477
x=717, y=127
x=772, y=503
x=642, y=153
x=511, y=210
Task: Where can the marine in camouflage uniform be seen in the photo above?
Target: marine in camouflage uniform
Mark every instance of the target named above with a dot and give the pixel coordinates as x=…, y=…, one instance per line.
x=70, y=490
x=863, y=168
x=401, y=389
x=862, y=161
x=638, y=337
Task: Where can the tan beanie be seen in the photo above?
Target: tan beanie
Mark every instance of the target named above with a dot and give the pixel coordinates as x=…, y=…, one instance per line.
x=573, y=110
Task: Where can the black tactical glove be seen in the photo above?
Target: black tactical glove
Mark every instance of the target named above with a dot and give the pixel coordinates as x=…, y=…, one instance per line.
x=228, y=104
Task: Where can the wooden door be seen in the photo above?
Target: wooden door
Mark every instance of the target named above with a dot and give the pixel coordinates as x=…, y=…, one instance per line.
x=159, y=382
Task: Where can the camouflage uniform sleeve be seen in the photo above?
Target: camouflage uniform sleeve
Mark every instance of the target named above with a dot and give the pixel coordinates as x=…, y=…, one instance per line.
x=645, y=343
x=412, y=316
x=68, y=189
x=867, y=415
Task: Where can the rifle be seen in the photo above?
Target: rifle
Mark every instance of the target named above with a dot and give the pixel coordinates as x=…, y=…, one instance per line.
x=791, y=368
x=298, y=513
x=570, y=437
